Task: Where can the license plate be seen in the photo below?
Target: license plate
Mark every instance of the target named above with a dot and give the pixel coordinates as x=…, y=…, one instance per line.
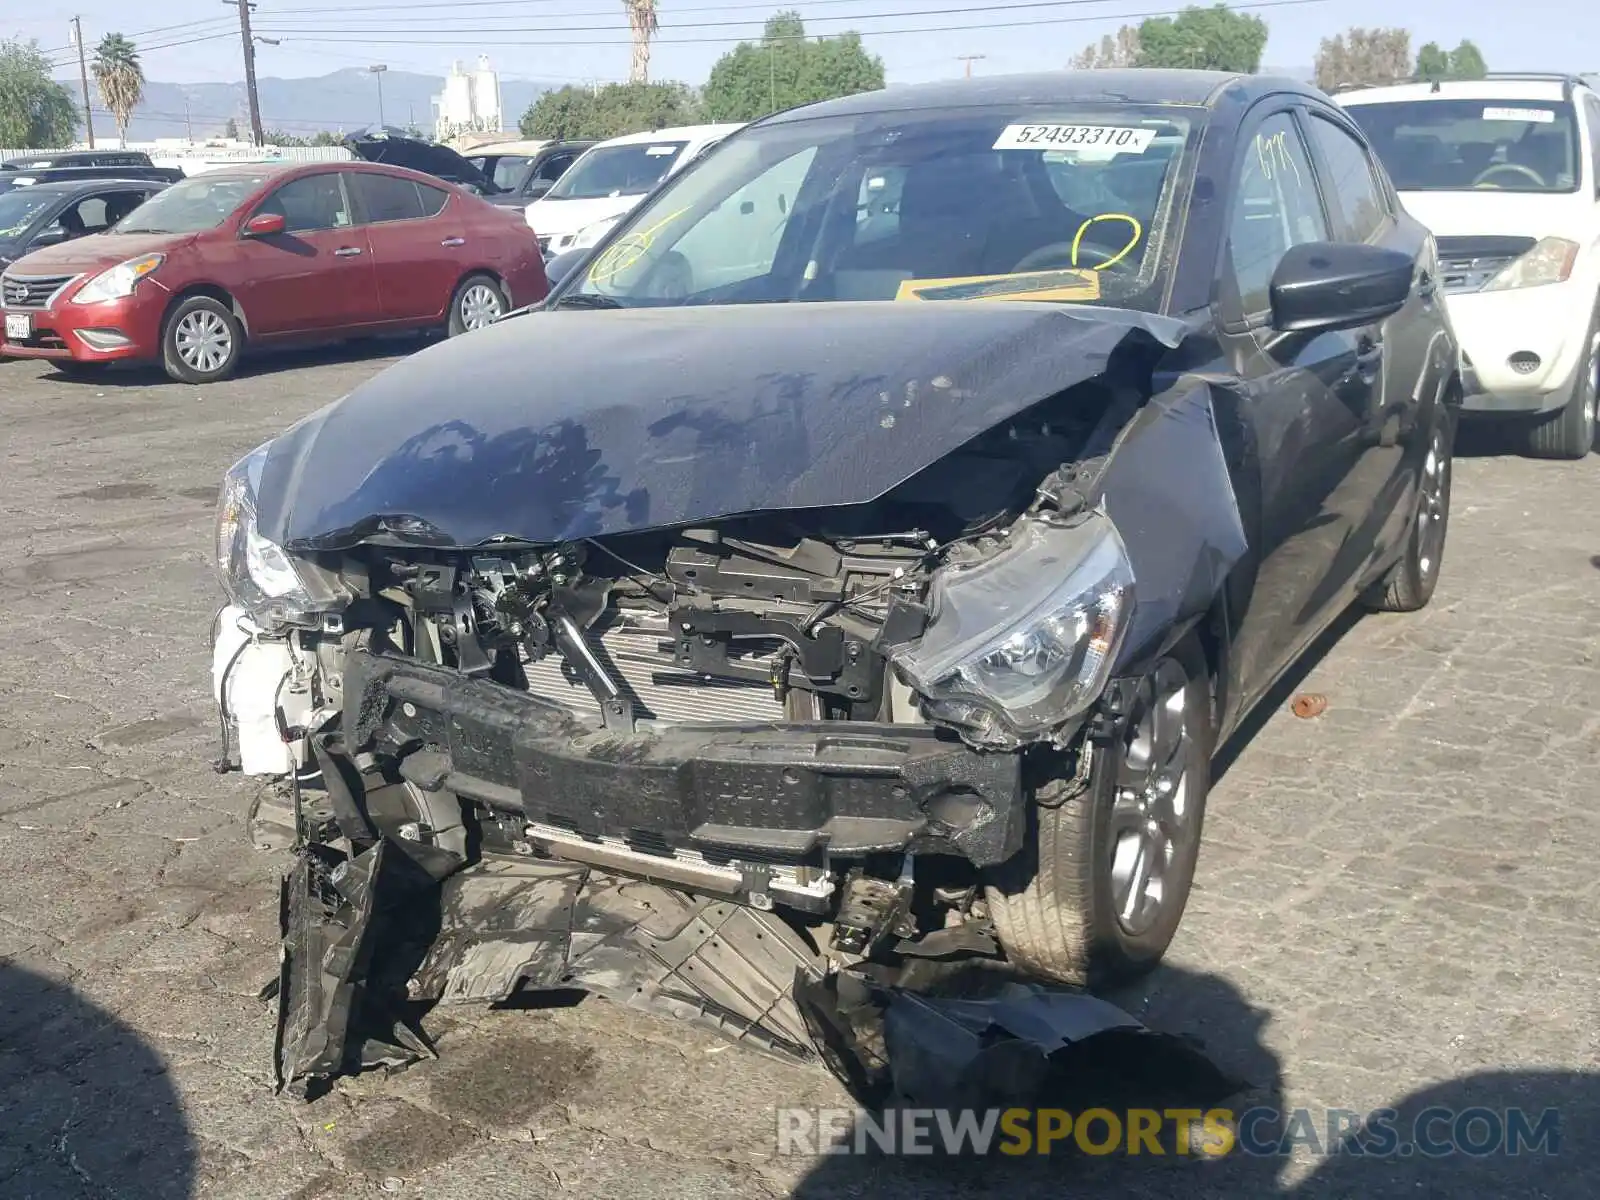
x=19, y=327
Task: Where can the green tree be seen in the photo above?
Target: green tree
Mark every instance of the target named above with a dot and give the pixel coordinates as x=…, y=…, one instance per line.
x=1120, y=49
x=1363, y=58
x=1466, y=62
x=1433, y=63
x=1215, y=39
x=610, y=111
x=785, y=69
x=36, y=112
x=120, y=77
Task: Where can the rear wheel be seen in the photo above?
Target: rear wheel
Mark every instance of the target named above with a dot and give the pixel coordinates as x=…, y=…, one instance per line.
x=1569, y=432
x=201, y=341
x=479, y=301
x=1097, y=892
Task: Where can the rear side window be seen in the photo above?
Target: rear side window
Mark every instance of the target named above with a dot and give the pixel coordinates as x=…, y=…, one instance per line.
x=433, y=199
x=385, y=198
x=1351, y=188
x=1275, y=207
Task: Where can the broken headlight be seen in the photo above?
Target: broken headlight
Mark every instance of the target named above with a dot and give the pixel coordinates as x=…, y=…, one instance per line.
x=255, y=572
x=1026, y=638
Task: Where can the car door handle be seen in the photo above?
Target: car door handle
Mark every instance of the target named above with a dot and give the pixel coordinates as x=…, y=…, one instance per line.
x=454, y=241
x=347, y=251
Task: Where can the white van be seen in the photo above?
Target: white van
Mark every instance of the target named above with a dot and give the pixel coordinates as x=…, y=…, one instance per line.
x=610, y=179
x=1506, y=172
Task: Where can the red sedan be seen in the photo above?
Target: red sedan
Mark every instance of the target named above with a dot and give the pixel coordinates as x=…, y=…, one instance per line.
x=270, y=255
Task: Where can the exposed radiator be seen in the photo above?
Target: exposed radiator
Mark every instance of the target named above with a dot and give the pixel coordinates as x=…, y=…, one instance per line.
x=629, y=643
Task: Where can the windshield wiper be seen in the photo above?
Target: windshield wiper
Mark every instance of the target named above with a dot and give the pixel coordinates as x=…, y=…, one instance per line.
x=587, y=300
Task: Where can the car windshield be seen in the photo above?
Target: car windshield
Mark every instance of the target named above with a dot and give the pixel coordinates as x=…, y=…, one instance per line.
x=19, y=210
x=1037, y=203
x=1449, y=145
x=199, y=203
x=630, y=170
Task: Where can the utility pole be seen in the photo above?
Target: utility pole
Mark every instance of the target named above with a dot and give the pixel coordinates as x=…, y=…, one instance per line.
x=969, y=59
x=378, y=69
x=83, y=74
x=244, y=7
x=188, y=122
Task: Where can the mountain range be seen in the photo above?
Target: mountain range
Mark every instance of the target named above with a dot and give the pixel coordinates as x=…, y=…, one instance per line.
x=346, y=99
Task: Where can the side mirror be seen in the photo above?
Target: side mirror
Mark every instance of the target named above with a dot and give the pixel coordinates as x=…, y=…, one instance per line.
x=1322, y=286
x=538, y=188
x=52, y=236
x=563, y=264
x=265, y=225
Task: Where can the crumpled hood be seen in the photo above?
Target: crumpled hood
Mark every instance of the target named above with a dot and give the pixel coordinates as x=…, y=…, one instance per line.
x=559, y=425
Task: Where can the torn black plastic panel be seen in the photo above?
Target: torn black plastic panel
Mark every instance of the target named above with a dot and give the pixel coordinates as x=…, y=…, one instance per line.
x=1167, y=488
x=698, y=413
x=361, y=940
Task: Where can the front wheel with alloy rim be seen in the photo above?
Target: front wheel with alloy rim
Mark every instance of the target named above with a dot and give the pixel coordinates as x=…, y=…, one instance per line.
x=201, y=341
x=1096, y=893
x=1569, y=432
x=479, y=301
x=1409, y=584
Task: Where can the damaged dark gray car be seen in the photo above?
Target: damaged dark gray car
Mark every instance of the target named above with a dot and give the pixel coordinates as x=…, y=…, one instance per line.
x=807, y=643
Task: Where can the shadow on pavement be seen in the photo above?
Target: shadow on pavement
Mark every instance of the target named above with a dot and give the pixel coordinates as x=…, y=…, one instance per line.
x=86, y=1106
x=1448, y=1140
x=255, y=363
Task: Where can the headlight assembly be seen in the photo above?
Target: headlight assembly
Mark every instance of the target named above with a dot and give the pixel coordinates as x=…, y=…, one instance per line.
x=118, y=282
x=1026, y=638
x=256, y=573
x=1550, y=261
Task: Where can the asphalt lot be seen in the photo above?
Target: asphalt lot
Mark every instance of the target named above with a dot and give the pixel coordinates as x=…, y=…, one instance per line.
x=1397, y=900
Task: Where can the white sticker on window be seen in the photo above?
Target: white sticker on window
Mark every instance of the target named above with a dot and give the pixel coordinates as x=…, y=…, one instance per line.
x=1125, y=138
x=1542, y=115
x=661, y=151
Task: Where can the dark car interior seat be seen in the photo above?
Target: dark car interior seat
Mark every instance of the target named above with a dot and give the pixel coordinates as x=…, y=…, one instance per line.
x=71, y=221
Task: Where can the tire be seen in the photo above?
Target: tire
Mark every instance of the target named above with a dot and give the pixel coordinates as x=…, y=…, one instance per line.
x=1569, y=432
x=1055, y=904
x=479, y=300
x=201, y=341
x=1409, y=584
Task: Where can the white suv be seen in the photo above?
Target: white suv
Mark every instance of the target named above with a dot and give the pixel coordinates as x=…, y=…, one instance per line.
x=1506, y=172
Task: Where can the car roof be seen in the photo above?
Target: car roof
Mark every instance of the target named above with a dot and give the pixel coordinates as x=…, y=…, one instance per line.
x=1548, y=90
x=69, y=186
x=1141, y=86
x=676, y=133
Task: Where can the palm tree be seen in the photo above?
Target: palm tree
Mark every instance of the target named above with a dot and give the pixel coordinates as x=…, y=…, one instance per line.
x=121, y=79
x=642, y=20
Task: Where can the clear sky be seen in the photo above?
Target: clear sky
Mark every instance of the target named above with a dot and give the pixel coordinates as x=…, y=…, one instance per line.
x=186, y=41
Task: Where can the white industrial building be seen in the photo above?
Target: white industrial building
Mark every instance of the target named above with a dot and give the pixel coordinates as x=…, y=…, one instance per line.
x=470, y=102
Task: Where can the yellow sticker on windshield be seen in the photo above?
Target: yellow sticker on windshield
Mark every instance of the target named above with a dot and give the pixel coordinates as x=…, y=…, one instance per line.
x=1034, y=285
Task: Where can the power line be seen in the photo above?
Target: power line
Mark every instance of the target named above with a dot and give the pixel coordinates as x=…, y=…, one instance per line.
x=964, y=10
x=435, y=39
x=195, y=41
x=342, y=14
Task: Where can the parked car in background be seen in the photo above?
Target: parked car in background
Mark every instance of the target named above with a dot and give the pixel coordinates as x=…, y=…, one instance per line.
x=893, y=578
x=610, y=178
x=526, y=170
x=48, y=214
x=254, y=255
x=399, y=149
x=65, y=166
x=1506, y=172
